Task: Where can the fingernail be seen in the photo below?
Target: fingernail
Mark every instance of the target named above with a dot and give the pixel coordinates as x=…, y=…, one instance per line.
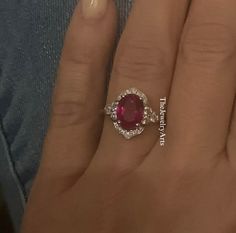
x=94, y=8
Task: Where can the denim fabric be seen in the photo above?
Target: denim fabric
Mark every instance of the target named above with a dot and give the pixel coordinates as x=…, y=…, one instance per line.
x=31, y=39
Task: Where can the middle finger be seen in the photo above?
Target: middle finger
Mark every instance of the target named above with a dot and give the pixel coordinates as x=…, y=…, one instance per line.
x=203, y=88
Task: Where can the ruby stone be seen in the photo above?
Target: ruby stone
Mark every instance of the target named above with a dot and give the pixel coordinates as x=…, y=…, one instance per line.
x=130, y=111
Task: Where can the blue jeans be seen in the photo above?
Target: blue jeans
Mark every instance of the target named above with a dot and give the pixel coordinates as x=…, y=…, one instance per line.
x=31, y=39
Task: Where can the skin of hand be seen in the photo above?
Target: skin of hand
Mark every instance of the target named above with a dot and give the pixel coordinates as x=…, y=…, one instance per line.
x=93, y=180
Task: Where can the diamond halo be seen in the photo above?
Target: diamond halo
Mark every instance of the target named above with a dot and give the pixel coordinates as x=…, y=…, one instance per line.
x=148, y=115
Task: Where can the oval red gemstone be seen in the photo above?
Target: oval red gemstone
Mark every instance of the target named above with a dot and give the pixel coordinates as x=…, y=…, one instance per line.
x=130, y=111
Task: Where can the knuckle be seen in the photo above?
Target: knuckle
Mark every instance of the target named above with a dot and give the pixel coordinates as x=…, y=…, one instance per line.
x=140, y=60
x=66, y=113
x=68, y=104
x=207, y=44
x=74, y=69
x=82, y=57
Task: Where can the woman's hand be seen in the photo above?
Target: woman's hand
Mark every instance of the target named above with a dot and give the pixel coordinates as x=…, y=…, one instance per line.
x=92, y=180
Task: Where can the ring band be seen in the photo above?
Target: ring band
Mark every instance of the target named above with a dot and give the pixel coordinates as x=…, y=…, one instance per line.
x=130, y=113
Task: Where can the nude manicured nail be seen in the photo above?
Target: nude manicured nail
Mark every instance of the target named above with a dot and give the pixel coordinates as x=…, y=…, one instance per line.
x=94, y=8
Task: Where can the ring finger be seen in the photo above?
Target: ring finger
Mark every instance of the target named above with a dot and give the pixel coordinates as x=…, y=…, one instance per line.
x=145, y=59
